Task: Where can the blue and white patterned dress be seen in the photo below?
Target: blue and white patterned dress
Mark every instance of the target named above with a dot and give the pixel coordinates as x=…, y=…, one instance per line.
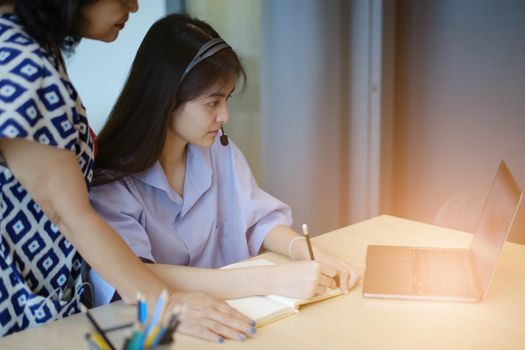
x=40, y=269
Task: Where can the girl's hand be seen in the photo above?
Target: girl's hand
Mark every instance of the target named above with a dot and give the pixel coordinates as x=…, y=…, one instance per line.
x=346, y=276
x=211, y=319
x=302, y=279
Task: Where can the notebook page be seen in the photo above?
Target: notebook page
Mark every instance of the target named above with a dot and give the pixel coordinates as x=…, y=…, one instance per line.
x=260, y=308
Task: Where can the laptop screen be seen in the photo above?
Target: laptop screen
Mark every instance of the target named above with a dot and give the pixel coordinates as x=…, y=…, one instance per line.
x=495, y=222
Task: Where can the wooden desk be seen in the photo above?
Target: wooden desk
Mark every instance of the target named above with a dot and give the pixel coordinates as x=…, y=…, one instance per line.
x=354, y=322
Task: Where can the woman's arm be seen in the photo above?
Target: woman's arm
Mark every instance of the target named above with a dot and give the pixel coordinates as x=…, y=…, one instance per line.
x=53, y=178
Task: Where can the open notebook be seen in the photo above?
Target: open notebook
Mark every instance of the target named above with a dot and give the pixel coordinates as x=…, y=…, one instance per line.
x=269, y=308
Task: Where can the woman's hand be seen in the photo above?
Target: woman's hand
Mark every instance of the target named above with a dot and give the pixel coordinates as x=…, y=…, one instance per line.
x=346, y=277
x=211, y=319
x=302, y=279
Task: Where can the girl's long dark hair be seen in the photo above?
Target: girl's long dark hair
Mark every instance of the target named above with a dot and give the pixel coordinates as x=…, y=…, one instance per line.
x=133, y=137
x=50, y=22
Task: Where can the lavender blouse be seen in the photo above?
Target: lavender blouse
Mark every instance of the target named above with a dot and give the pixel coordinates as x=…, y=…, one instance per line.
x=223, y=217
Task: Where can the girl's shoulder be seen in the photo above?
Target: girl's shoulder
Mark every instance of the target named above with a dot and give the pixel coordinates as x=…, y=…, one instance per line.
x=122, y=192
x=124, y=184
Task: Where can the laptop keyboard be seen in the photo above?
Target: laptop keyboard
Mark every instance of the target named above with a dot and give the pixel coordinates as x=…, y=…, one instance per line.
x=440, y=272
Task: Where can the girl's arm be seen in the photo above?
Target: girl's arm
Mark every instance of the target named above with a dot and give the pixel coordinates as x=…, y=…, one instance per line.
x=53, y=178
x=266, y=211
x=298, y=279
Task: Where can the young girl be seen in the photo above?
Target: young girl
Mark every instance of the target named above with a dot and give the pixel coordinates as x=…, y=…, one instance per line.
x=46, y=166
x=184, y=201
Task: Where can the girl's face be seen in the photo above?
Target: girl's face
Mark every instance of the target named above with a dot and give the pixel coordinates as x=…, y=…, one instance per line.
x=198, y=121
x=104, y=19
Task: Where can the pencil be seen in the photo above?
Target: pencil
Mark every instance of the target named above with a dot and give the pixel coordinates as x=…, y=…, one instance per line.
x=99, y=330
x=308, y=243
x=96, y=339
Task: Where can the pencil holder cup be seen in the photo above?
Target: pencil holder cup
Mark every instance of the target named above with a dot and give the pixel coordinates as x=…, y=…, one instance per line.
x=96, y=342
x=137, y=342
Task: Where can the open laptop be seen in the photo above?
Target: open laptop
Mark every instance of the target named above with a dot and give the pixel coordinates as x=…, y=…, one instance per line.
x=447, y=273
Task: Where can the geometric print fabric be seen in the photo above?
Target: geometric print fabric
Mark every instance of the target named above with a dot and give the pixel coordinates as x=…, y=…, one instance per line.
x=39, y=268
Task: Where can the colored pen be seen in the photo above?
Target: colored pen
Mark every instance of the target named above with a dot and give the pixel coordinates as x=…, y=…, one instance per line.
x=159, y=308
x=152, y=336
x=173, y=322
x=142, y=309
x=158, y=337
x=136, y=340
x=308, y=243
x=165, y=335
x=153, y=327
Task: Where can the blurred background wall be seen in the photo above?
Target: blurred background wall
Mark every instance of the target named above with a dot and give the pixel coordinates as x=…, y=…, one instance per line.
x=459, y=99
x=99, y=70
x=355, y=108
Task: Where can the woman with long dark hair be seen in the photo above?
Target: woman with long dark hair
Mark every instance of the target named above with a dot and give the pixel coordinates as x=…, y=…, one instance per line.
x=183, y=197
x=46, y=167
